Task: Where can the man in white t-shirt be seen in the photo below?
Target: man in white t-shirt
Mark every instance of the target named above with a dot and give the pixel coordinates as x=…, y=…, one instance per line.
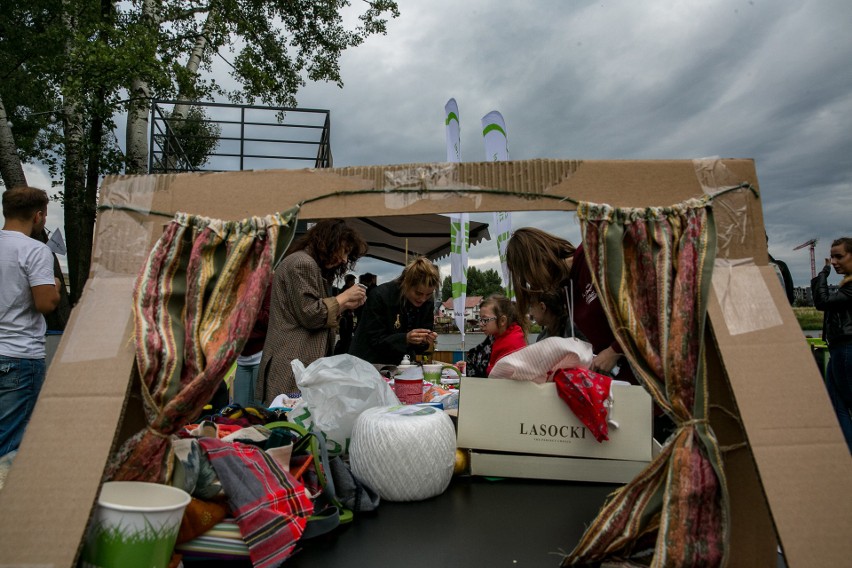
x=29, y=290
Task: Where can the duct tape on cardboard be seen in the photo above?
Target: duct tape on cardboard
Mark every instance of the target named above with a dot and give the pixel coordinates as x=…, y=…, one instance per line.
x=424, y=177
x=746, y=302
x=731, y=211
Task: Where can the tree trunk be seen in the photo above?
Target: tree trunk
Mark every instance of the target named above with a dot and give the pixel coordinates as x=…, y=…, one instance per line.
x=136, y=137
x=136, y=159
x=181, y=110
x=10, y=165
x=77, y=234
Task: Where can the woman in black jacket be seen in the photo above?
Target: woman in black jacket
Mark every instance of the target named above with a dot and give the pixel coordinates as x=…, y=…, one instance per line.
x=399, y=316
x=837, y=330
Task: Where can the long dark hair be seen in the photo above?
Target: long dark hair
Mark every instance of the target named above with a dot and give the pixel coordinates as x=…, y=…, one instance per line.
x=537, y=263
x=323, y=242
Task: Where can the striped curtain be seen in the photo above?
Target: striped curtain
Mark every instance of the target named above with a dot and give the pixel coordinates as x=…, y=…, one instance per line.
x=652, y=270
x=194, y=304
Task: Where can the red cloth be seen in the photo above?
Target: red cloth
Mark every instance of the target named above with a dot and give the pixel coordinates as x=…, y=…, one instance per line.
x=269, y=505
x=585, y=392
x=507, y=342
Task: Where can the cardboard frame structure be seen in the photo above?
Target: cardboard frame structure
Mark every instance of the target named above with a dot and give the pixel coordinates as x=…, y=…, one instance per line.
x=788, y=467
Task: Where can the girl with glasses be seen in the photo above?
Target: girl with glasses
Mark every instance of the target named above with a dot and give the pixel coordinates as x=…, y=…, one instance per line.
x=498, y=318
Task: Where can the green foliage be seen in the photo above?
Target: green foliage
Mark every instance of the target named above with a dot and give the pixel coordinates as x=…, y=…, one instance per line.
x=483, y=283
x=479, y=283
x=66, y=67
x=446, y=289
x=194, y=137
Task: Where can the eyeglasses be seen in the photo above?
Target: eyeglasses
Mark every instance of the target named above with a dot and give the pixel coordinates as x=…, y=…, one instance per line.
x=483, y=321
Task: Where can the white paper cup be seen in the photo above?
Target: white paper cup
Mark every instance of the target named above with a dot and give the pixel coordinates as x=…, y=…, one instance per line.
x=135, y=525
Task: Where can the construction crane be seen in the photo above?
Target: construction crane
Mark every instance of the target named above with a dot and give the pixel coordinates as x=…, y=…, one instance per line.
x=812, y=244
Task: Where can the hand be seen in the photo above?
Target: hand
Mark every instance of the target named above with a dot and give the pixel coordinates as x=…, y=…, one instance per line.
x=420, y=336
x=351, y=298
x=605, y=361
x=828, y=262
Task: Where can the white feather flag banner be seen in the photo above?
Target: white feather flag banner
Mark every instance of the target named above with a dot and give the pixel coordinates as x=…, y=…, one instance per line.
x=459, y=223
x=497, y=150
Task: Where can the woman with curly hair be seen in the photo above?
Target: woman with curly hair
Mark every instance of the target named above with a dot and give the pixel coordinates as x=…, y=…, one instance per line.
x=399, y=316
x=837, y=330
x=304, y=312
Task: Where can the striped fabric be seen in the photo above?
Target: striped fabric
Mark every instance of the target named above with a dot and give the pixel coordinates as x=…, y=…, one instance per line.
x=652, y=270
x=222, y=542
x=270, y=507
x=195, y=302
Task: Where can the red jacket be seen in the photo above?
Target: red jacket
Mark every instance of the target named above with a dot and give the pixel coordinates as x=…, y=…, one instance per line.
x=507, y=342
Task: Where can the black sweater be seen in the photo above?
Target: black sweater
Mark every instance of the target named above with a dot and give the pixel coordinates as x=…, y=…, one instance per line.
x=384, y=322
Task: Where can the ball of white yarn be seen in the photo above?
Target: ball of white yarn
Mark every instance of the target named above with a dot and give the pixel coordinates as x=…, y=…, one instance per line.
x=404, y=453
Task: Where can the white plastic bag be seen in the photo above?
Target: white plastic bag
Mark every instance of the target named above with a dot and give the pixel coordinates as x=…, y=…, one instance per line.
x=335, y=391
x=538, y=361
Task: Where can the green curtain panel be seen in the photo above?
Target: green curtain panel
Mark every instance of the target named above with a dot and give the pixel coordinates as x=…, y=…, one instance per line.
x=194, y=304
x=652, y=270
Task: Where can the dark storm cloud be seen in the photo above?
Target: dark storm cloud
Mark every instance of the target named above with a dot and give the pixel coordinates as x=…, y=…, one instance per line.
x=764, y=80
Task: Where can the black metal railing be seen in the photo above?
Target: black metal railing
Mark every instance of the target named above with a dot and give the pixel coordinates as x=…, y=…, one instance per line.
x=227, y=137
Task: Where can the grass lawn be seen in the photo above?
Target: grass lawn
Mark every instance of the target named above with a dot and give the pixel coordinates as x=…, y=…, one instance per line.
x=809, y=317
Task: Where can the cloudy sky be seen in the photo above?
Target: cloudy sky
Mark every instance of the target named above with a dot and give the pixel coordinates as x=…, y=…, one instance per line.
x=575, y=79
x=760, y=79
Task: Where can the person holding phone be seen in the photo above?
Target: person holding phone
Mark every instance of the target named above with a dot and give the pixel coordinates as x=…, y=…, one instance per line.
x=304, y=312
x=837, y=330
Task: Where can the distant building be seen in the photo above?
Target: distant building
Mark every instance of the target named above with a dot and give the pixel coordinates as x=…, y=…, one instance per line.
x=804, y=297
x=471, y=308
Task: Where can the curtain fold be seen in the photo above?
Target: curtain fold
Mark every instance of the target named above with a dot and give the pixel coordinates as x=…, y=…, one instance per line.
x=652, y=269
x=195, y=302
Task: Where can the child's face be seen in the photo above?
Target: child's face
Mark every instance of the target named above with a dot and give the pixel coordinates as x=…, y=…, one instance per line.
x=488, y=322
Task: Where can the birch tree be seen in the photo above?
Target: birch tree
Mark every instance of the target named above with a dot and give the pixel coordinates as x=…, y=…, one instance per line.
x=68, y=67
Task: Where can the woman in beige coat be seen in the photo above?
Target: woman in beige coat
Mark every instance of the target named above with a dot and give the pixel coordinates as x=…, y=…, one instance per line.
x=304, y=313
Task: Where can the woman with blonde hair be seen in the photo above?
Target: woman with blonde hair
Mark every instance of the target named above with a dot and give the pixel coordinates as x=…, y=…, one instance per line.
x=398, y=318
x=837, y=330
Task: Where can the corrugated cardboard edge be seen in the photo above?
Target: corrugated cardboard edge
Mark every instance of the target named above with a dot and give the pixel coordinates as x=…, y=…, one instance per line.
x=51, y=489
x=803, y=461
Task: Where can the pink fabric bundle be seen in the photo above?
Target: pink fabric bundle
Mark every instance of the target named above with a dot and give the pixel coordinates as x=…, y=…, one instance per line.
x=538, y=362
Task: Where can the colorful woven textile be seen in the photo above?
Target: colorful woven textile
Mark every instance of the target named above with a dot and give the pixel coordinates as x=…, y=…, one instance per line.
x=270, y=506
x=652, y=270
x=195, y=302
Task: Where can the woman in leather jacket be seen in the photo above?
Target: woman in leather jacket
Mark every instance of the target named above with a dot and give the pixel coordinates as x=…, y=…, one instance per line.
x=837, y=330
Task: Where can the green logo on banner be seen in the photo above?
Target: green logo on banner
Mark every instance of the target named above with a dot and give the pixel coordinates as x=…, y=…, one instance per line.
x=491, y=128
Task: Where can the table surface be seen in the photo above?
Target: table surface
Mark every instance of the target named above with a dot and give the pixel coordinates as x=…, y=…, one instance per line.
x=475, y=522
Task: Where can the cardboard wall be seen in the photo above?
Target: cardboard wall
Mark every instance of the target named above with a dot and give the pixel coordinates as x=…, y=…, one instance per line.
x=794, y=473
